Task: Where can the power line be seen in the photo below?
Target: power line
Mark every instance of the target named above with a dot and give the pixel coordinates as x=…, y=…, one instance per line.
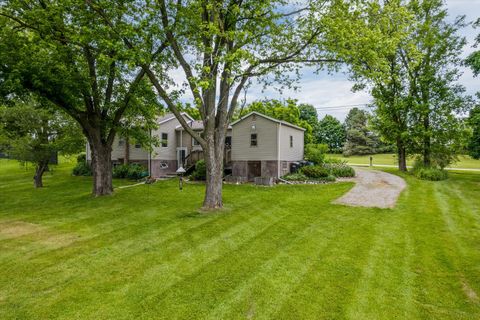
x=362, y=105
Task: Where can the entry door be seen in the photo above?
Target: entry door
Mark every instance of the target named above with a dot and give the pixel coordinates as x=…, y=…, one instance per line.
x=181, y=155
x=254, y=169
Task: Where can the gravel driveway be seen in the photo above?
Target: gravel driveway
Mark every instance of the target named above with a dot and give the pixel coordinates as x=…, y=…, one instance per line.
x=374, y=189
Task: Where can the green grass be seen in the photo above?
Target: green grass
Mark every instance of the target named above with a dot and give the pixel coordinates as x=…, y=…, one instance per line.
x=274, y=253
x=465, y=162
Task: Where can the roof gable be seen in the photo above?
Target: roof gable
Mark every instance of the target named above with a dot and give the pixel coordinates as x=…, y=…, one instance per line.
x=171, y=116
x=268, y=118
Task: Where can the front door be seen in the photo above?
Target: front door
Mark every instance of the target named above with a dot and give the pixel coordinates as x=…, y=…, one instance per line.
x=181, y=155
x=254, y=169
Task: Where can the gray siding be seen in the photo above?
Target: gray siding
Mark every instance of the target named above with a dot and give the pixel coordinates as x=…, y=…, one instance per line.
x=266, y=131
x=170, y=151
x=288, y=153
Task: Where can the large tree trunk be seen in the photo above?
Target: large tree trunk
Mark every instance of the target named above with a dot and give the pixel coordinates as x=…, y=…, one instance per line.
x=214, y=165
x=38, y=177
x=402, y=156
x=101, y=168
x=426, y=142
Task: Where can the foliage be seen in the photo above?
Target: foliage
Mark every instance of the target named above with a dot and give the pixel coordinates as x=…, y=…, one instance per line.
x=359, y=139
x=200, y=172
x=315, y=172
x=288, y=110
x=298, y=176
x=132, y=171
x=316, y=153
x=82, y=168
x=473, y=59
x=309, y=114
x=340, y=170
x=428, y=172
x=31, y=130
x=331, y=131
x=410, y=64
x=66, y=53
x=474, y=142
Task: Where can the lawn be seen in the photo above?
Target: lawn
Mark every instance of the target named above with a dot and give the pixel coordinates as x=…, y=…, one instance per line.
x=274, y=253
x=465, y=162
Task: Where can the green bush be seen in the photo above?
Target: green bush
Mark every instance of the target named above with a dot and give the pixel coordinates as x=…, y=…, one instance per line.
x=82, y=168
x=136, y=172
x=200, y=172
x=329, y=178
x=295, y=177
x=340, y=170
x=120, y=171
x=430, y=173
x=315, y=172
x=132, y=171
x=316, y=153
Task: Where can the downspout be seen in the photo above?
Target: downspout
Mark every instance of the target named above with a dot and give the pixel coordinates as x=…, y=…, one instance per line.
x=278, y=149
x=150, y=154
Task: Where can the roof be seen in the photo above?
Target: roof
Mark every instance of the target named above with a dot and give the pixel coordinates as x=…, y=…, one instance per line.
x=170, y=116
x=269, y=118
x=195, y=125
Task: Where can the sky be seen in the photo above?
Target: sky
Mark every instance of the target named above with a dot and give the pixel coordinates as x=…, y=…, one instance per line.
x=328, y=91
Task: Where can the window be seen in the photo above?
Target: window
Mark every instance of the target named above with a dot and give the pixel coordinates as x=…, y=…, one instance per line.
x=164, y=140
x=138, y=145
x=195, y=142
x=291, y=141
x=253, y=140
x=121, y=142
x=228, y=141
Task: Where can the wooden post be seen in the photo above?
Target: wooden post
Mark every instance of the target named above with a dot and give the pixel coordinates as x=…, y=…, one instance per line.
x=371, y=161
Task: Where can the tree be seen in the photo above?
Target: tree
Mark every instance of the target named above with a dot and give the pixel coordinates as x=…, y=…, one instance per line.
x=331, y=132
x=62, y=52
x=373, y=57
x=309, y=114
x=33, y=131
x=408, y=61
x=287, y=110
x=473, y=61
x=220, y=46
x=437, y=98
x=474, y=141
x=360, y=140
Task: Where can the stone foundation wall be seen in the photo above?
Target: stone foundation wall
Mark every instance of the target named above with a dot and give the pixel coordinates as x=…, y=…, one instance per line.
x=268, y=168
x=158, y=171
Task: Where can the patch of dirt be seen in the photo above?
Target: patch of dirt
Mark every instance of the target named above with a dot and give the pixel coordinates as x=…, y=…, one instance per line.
x=373, y=189
x=15, y=229
x=469, y=292
x=43, y=235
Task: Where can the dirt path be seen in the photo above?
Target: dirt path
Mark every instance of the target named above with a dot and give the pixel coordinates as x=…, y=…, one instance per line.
x=374, y=189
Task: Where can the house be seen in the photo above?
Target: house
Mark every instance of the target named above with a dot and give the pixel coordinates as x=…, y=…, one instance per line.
x=265, y=147
x=255, y=145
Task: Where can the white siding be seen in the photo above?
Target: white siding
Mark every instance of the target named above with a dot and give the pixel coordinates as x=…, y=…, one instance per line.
x=266, y=131
x=288, y=153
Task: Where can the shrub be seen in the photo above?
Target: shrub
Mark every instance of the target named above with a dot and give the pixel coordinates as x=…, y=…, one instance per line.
x=136, y=172
x=316, y=153
x=340, y=170
x=329, y=178
x=200, y=172
x=82, y=168
x=429, y=173
x=315, y=172
x=133, y=171
x=295, y=177
x=120, y=171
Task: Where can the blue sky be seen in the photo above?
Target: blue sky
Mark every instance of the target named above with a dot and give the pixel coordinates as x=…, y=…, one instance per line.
x=325, y=91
